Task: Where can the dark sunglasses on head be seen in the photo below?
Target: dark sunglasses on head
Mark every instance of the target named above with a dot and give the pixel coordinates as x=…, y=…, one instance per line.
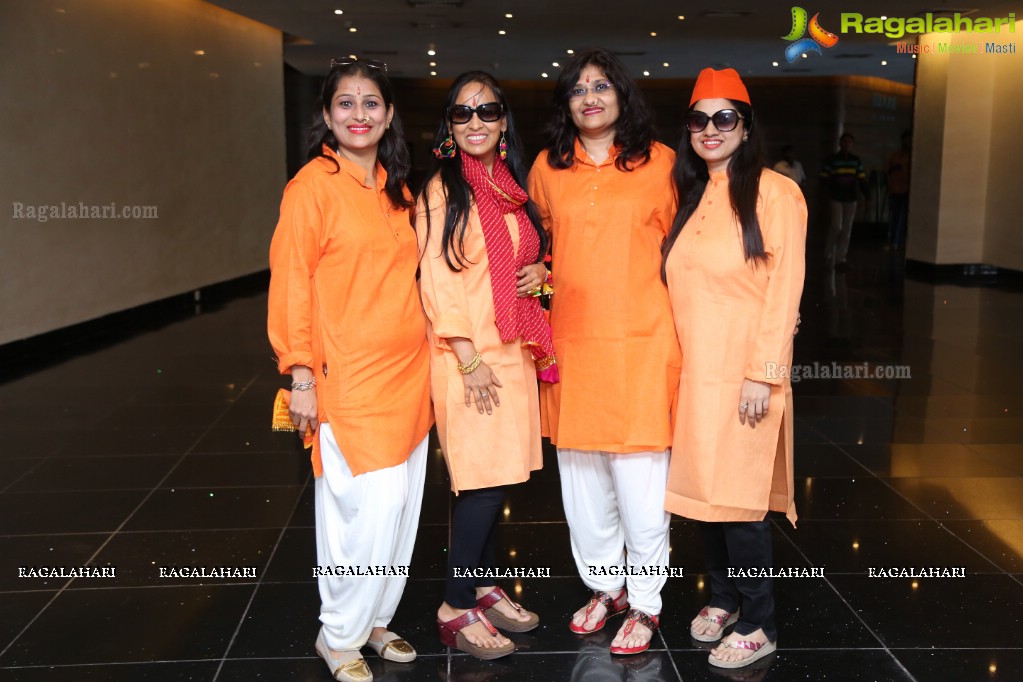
x=488, y=113
x=348, y=61
x=725, y=120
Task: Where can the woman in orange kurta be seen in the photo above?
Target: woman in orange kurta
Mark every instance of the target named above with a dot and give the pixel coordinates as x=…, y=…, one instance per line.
x=734, y=265
x=489, y=340
x=603, y=188
x=346, y=323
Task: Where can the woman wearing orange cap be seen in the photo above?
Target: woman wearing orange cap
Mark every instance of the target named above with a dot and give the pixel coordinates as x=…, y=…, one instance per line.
x=734, y=264
x=346, y=323
x=603, y=187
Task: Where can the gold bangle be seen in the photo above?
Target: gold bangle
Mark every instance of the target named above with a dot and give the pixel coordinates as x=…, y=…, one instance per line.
x=470, y=366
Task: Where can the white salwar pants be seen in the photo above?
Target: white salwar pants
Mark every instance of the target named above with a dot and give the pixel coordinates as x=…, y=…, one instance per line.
x=614, y=505
x=364, y=521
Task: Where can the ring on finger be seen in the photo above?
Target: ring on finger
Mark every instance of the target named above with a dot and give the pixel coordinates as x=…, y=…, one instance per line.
x=484, y=394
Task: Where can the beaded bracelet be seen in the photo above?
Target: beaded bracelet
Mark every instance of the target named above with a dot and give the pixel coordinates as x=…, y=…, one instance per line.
x=303, y=385
x=470, y=366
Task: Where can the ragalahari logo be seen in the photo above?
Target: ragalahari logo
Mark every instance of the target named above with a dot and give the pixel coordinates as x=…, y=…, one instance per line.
x=819, y=36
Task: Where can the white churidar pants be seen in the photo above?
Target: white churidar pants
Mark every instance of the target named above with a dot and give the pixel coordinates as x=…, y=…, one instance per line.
x=366, y=520
x=614, y=505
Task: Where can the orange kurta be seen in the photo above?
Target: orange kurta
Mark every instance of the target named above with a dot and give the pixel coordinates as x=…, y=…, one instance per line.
x=481, y=450
x=343, y=302
x=616, y=347
x=735, y=322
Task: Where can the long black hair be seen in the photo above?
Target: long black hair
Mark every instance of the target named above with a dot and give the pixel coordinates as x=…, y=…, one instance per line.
x=634, y=130
x=744, y=168
x=392, y=151
x=457, y=192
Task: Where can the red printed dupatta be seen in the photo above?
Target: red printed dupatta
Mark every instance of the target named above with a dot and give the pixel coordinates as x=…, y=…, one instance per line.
x=496, y=196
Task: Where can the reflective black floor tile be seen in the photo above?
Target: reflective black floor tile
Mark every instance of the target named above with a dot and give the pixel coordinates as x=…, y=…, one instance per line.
x=96, y=473
x=282, y=620
x=67, y=512
x=49, y=551
x=843, y=430
x=808, y=614
x=938, y=612
x=12, y=469
x=910, y=460
x=132, y=625
x=190, y=671
x=535, y=545
x=968, y=406
x=19, y=608
x=1007, y=455
x=295, y=557
x=255, y=468
x=833, y=665
x=305, y=512
x=854, y=546
x=313, y=669
x=139, y=556
x=958, y=665
x=197, y=415
x=437, y=502
x=813, y=408
x=591, y=664
x=430, y=554
x=251, y=438
x=188, y=508
x=850, y=498
x=965, y=498
x=999, y=541
x=130, y=440
x=820, y=459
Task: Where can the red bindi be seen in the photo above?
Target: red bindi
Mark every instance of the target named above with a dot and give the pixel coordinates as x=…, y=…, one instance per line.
x=358, y=89
x=587, y=79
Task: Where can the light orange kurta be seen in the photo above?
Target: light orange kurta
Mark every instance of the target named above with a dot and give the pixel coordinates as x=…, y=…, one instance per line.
x=343, y=302
x=481, y=450
x=735, y=322
x=617, y=352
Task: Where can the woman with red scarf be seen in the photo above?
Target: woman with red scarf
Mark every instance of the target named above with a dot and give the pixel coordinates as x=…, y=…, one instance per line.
x=482, y=250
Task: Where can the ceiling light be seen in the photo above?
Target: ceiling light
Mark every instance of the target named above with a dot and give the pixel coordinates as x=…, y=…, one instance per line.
x=200, y=52
x=665, y=64
x=653, y=34
x=913, y=56
x=774, y=63
x=884, y=63
x=569, y=51
x=337, y=11
x=508, y=15
x=433, y=63
x=555, y=65
x=646, y=73
x=681, y=18
x=352, y=29
x=543, y=75
x=433, y=73
x=502, y=32
x=431, y=52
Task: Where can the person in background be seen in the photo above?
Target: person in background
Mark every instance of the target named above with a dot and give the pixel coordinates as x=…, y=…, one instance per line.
x=482, y=251
x=734, y=264
x=790, y=167
x=898, y=190
x=346, y=324
x=603, y=188
x=844, y=179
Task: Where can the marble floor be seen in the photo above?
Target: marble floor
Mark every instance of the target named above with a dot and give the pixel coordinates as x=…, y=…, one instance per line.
x=151, y=448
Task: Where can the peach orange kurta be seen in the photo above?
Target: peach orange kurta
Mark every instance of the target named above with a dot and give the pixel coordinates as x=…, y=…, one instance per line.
x=610, y=316
x=481, y=450
x=343, y=302
x=735, y=322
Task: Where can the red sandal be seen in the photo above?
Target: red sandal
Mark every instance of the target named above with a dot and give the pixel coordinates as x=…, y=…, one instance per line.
x=487, y=601
x=451, y=635
x=612, y=608
x=637, y=616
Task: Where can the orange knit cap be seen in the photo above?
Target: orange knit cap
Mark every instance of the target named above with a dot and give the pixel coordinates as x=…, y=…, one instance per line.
x=723, y=84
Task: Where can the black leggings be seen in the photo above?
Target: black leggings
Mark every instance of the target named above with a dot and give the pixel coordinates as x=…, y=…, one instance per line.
x=741, y=544
x=473, y=527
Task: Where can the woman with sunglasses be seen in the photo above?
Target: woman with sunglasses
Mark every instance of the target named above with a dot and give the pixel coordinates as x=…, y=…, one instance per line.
x=734, y=264
x=346, y=324
x=603, y=187
x=481, y=245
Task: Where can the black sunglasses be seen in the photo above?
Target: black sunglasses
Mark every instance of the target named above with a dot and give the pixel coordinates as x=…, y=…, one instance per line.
x=488, y=113
x=348, y=61
x=725, y=120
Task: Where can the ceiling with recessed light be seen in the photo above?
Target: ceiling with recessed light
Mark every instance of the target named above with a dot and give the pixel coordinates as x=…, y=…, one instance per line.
x=525, y=39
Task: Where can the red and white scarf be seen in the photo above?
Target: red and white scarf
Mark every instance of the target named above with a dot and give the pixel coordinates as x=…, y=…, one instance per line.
x=495, y=197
